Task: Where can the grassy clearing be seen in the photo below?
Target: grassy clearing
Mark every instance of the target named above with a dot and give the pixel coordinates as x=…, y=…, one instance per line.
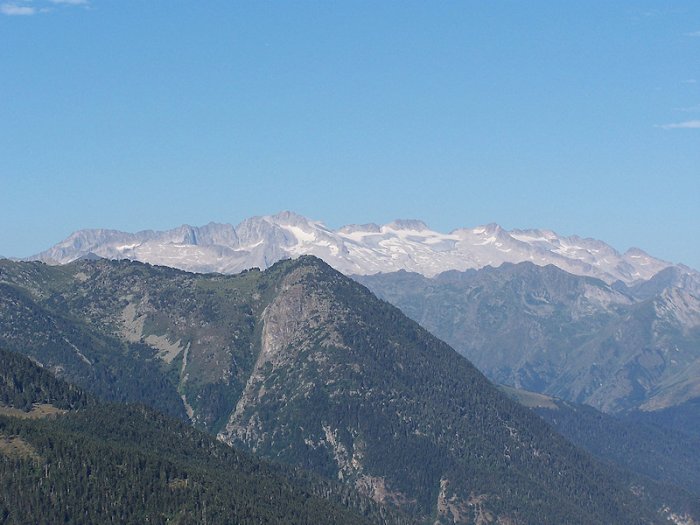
x=38, y=411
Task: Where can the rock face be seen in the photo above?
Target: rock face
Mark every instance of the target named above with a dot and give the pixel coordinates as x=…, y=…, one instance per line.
x=288, y=335
x=577, y=338
x=356, y=249
x=303, y=365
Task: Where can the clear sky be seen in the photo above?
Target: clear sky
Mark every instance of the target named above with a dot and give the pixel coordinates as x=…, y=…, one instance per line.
x=580, y=117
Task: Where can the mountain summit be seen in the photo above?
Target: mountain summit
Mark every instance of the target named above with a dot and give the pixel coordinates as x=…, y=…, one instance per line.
x=303, y=365
x=355, y=249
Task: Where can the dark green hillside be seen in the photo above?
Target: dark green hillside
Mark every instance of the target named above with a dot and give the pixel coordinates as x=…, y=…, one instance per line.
x=23, y=384
x=642, y=447
x=683, y=419
x=130, y=332
x=305, y=366
x=119, y=464
x=125, y=464
x=64, y=343
x=349, y=386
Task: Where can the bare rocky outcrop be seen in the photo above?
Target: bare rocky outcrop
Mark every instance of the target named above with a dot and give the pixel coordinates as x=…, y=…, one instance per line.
x=293, y=323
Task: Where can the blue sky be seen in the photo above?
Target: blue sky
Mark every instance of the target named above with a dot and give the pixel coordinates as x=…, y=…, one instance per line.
x=581, y=117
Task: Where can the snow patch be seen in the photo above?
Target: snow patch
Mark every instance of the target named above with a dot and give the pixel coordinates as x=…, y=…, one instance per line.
x=359, y=249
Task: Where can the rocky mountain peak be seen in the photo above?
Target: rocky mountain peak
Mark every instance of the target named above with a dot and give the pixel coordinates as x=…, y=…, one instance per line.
x=356, y=250
x=289, y=217
x=407, y=224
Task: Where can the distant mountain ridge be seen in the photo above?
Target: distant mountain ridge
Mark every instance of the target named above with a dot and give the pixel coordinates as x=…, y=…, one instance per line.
x=357, y=249
x=616, y=348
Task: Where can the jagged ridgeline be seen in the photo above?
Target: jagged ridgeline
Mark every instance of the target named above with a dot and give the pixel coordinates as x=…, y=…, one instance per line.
x=302, y=364
x=88, y=462
x=614, y=347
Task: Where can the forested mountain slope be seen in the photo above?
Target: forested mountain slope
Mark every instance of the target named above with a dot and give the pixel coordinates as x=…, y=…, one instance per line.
x=90, y=462
x=640, y=446
x=303, y=365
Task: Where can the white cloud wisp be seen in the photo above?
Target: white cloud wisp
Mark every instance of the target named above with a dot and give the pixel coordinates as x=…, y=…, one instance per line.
x=17, y=10
x=688, y=124
x=29, y=8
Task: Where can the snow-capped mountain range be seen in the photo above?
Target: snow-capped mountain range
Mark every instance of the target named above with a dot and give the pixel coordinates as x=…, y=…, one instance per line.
x=355, y=249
